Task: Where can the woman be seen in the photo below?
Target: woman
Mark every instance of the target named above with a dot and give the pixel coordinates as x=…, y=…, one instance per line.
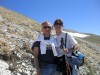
x=69, y=42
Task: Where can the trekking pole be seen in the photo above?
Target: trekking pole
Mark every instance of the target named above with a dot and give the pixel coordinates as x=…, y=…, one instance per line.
x=66, y=59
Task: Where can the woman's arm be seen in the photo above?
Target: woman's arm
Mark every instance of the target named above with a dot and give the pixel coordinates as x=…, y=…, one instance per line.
x=76, y=47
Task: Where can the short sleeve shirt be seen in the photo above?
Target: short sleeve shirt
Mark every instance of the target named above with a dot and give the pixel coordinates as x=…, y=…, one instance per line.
x=70, y=42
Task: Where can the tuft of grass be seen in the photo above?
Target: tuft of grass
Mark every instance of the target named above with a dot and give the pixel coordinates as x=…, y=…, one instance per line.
x=4, y=48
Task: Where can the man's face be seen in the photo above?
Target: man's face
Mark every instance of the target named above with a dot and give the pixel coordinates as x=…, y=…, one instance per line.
x=46, y=28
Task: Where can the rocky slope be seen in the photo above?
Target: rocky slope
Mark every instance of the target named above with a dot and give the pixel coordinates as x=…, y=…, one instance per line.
x=17, y=33
x=92, y=55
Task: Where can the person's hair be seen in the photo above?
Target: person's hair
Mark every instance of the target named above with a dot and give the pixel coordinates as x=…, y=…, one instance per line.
x=46, y=22
x=57, y=21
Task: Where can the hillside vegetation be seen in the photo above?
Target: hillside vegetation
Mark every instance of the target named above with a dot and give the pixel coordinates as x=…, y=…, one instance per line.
x=93, y=39
x=15, y=28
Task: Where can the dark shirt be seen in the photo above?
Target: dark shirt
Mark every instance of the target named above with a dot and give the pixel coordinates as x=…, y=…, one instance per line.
x=46, y=38
x=48, y=57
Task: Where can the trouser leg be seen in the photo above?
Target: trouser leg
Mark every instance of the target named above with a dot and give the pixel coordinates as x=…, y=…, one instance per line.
x=73, y=68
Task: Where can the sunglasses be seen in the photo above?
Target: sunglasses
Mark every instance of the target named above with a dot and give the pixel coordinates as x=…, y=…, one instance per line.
x=60, y=24
x=45, y=27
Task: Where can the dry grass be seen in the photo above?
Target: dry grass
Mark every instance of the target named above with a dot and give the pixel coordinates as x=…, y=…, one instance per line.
x=17, y=18
x=92, y=56
x=4, y=47
x=18, y=28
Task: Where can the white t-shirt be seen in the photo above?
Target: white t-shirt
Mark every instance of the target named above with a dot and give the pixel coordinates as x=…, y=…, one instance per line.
x=70, y=42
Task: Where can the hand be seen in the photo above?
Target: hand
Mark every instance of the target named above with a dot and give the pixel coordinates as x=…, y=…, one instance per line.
x=66, y=50
x=38, y=73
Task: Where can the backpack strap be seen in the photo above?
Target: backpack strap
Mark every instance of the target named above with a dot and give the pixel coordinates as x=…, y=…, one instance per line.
x=65, y=39
x=68, y=69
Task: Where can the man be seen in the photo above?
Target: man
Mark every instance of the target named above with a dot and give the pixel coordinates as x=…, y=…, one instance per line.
x=44, y=50
x=70, y=42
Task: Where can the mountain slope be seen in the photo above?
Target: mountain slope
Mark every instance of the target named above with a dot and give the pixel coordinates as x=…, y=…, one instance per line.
x=14, y=26
x=17, y=33
x=93, y=39
x=17, y=18
x=92, y=54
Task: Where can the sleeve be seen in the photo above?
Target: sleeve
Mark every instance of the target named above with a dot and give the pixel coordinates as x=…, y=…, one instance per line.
x=35, y=44
x=73, y=42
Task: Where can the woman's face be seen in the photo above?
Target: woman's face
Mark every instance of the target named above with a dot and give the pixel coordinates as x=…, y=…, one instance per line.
x=58, y=25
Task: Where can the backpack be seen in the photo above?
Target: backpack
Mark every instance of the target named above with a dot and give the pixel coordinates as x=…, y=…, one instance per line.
x=78, y=58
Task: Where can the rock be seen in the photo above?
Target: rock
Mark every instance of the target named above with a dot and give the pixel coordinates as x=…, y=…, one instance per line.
x=4, y=68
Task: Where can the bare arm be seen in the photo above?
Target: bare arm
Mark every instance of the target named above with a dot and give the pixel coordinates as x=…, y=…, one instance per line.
x=35, y=52
x=76, y=47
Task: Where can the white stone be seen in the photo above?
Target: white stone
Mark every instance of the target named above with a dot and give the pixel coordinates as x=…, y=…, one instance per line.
x=3, y=68
x=1, y=19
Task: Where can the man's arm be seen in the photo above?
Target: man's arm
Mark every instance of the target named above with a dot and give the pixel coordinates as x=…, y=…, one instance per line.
x=36, y=62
